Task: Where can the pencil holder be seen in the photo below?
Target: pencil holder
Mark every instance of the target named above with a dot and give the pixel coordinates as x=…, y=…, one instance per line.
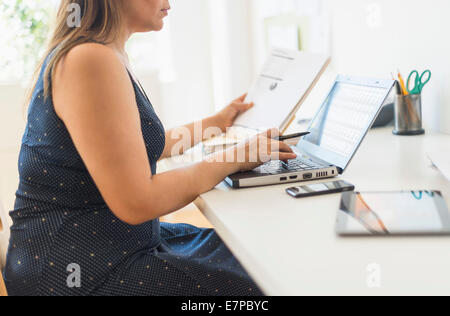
x=408, y=115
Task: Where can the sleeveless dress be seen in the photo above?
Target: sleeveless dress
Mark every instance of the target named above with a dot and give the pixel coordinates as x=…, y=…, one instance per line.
x=66, y=241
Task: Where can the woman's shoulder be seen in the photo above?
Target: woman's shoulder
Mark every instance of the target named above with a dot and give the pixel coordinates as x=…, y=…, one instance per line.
x=90, y=56
x=88, y=77
x=96, y=64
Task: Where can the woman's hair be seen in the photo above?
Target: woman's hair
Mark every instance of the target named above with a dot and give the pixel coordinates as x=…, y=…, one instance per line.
x=100, y=23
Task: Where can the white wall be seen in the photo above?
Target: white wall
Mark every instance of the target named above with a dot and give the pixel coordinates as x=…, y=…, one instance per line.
x=318, y=34
x=377, y=37
x=311, y=9
x=212, y=60
x=12, y=126
x=230, y=32
x=190, y=95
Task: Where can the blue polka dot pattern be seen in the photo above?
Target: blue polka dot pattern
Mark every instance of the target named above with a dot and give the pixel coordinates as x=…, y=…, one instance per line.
x=60, y=218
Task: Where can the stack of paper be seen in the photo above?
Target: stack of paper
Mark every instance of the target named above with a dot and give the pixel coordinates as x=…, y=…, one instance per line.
x=440, y=156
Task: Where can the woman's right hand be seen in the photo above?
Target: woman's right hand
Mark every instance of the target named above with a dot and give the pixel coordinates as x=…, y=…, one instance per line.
x=259, y=150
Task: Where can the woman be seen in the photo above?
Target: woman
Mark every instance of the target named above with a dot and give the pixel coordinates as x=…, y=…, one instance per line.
x=87, y=208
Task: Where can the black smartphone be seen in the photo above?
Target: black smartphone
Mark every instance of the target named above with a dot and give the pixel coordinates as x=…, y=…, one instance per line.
x=320, y=189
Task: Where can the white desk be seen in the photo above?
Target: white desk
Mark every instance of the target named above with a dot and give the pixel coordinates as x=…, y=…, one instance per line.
x=290, y=248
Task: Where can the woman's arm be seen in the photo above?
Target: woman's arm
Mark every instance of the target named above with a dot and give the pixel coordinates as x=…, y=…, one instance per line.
x=93, y=95
x=178, y=140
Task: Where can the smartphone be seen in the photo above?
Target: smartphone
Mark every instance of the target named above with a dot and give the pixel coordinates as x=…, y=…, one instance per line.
x=320, y=189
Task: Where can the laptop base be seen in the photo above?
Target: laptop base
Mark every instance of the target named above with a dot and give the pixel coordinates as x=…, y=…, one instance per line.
x=256, y=178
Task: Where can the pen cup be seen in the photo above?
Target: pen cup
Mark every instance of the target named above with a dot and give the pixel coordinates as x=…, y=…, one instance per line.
x=408, y=115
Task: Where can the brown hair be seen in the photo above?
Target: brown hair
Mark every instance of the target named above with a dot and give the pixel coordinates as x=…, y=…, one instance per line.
x=100, y=23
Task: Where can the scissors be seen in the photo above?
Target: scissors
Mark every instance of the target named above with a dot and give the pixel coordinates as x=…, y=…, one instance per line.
x=419, y=81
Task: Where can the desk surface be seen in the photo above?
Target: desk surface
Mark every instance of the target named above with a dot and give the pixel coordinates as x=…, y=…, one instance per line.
x=290, y=247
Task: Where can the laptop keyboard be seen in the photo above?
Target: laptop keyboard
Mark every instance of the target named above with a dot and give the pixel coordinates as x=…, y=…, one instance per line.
x=277, y=167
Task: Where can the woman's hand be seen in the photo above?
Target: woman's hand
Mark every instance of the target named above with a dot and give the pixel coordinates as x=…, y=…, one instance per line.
x=255, y=152
x=228, y=115
x=264, y=148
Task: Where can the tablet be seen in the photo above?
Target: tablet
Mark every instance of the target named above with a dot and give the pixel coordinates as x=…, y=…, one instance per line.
x=393, y=213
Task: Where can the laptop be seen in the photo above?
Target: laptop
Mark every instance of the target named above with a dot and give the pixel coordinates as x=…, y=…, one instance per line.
x=336, y=134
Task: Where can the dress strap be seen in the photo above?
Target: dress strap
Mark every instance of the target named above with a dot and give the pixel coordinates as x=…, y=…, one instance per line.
x=138, y=83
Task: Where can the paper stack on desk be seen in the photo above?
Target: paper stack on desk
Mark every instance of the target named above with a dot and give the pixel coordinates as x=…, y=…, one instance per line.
x=440, y=156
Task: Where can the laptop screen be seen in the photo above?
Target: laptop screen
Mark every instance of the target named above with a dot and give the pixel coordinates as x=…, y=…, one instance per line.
x=344, y=119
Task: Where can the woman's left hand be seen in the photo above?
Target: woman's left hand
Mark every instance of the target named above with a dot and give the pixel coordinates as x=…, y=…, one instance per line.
x=228, y=115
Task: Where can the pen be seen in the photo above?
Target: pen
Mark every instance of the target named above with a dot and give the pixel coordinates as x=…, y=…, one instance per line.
x=287, y=137
x=402, y=84
x=411, y=115
x=397, y=85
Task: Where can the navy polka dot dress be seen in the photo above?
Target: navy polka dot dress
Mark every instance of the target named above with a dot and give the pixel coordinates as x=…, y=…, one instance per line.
x=60, y=221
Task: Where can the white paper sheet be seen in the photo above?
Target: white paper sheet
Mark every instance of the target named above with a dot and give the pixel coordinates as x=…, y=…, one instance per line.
x=440, y=156
x=286, y=78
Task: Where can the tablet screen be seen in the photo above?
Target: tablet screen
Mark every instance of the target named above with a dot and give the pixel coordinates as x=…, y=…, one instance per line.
x=377, y=213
